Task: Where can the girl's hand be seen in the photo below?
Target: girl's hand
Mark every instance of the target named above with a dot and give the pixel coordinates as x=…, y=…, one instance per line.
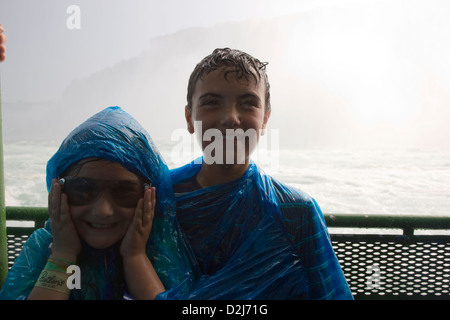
x=2, y=41
x=135, y=240
x=66, y=242
x=140, y=276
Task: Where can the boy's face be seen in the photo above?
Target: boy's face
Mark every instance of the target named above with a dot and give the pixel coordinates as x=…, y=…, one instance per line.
x=227, y=104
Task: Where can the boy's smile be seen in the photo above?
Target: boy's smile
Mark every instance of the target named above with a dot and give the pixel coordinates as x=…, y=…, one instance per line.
x=228, y=104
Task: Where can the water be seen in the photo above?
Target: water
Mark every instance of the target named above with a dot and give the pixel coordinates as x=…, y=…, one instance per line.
x=369, y=181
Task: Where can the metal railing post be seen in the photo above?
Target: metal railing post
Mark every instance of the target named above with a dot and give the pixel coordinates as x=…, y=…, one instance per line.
x=3, y=237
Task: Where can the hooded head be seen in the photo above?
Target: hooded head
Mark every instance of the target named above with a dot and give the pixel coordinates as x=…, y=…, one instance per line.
x=114, y=135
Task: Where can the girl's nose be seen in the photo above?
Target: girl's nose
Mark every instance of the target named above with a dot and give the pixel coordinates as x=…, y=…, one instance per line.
x=103, y=206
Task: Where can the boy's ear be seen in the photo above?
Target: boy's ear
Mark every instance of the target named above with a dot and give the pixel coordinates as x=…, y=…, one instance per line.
x=266, y=119
x=188, y=116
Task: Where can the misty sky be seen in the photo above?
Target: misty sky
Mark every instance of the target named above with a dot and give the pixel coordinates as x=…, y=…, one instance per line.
x=41, y=44
x=386, y=60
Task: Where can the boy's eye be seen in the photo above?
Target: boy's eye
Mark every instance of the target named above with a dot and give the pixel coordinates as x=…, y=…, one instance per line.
x=249, y=104
x=210, y=103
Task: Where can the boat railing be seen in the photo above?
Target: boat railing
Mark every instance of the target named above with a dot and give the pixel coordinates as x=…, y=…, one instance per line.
x=382, y=256
x=393, y=256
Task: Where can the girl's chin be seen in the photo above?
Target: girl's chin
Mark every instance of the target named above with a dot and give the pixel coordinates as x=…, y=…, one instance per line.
x=102, y=242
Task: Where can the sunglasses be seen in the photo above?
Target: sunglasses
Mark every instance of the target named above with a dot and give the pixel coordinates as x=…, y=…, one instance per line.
x=84, y=191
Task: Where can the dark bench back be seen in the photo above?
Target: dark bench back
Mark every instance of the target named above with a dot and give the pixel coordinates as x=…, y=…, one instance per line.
x=393, y=257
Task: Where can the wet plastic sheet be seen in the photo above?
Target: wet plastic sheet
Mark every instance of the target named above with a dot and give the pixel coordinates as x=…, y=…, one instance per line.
x=114, y=135
x=255, y=238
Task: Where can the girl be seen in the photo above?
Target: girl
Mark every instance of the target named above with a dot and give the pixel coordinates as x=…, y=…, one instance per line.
x=102, y=209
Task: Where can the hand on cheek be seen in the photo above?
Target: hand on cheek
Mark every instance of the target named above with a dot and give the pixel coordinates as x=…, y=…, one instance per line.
x=135, y=240
x=66, y=242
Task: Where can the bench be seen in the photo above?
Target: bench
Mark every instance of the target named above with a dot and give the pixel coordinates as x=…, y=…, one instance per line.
x=393, y=257
x=383, y=256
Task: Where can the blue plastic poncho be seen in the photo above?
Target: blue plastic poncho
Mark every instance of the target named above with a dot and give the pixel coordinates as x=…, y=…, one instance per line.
x=255, y=238
x=114, y=135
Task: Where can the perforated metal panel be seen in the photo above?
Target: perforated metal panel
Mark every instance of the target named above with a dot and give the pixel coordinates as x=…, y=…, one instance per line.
x=376, y=267
x=15, y=244
x=395, y=267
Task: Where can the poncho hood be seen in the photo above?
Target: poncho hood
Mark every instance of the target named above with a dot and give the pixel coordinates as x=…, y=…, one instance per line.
x=114, y=135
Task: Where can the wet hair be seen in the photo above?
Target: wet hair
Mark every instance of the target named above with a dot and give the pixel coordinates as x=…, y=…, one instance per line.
x=241, y=63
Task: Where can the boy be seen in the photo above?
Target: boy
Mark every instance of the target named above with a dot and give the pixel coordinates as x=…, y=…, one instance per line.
x=253, y=237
